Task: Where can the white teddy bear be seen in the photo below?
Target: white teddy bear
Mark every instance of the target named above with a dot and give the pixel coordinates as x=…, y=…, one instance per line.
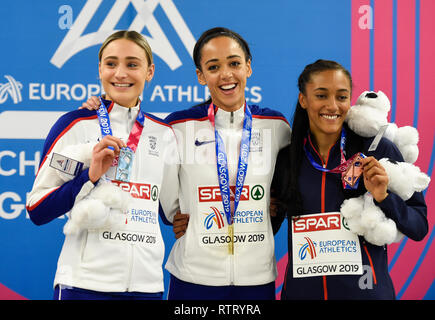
x=370, y=114
x=366, y=219
x=94, y=210
x=362, y=216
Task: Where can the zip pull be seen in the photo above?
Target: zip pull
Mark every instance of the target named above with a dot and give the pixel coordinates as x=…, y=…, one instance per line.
x=232, y=117
x=128, y=118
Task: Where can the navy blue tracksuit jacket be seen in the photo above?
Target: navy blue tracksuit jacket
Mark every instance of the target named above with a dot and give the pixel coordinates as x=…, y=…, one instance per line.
x=323, y=192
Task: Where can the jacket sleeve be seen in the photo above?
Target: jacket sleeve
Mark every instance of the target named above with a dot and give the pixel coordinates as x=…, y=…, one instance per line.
x=282, y=133
x=280, y=181
x=410, y=216
x=51, y=197
x=279, y=186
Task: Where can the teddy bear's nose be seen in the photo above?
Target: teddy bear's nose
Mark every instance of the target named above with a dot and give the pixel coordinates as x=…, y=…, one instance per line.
x=371, y=95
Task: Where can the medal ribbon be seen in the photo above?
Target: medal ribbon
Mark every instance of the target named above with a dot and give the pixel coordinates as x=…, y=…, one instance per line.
x=222, y=164
x=136, y=131
x=341, y=168
x=344, y=165
x=103, y=118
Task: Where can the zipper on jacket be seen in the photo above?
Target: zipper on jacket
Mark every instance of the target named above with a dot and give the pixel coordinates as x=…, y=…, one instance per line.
x=232, y=255
x=322, y=204
x=130, y=267
x=128, y=118
x=325, y=288
x=231, y=269
x=324, y=164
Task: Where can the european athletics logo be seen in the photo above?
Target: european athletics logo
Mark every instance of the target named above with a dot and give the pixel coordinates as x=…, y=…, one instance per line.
x=216, y=216
x=76, y=41
x=309, y=247
x=12, y=89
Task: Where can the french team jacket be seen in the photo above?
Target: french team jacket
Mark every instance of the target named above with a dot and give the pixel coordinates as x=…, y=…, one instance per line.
x=202, y=255
x=126, y=259
x=323, y=192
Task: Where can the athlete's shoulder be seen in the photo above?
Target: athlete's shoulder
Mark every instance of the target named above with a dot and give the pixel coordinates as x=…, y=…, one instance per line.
x=74, y=116
x=64, y=124
x=69, y=119
x=157, y=120
x=266, y=113
x=198, y=112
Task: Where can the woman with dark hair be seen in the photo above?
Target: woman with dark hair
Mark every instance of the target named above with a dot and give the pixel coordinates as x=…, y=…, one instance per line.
x=313, y=193
x=228, y=150
x=225, y=246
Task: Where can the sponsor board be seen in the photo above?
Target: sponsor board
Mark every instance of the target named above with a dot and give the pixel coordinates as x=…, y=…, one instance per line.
x=322, y=245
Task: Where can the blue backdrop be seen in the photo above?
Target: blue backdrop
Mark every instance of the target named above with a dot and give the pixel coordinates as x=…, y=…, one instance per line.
x=50, y=65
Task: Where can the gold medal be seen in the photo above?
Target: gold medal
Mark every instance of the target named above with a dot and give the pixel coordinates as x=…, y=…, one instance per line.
x=231, y=243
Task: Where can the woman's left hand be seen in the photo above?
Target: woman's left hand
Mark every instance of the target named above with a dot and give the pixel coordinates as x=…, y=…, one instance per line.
x=375, y=178
x=180, y=223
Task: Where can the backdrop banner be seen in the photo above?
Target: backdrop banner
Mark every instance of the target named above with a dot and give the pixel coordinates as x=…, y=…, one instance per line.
x=50, y=66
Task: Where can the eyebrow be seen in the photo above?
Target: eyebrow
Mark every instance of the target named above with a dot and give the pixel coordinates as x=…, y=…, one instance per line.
x=325, y=89
x=229, y=57
x=116, y=58
x=234, y=56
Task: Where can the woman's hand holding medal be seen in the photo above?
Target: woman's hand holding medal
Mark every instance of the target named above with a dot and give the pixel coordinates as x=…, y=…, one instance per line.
x=375, y=178
x=103, y=154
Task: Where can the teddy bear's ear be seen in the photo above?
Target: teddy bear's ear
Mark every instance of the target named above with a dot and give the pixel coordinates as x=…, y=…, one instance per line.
x=384, y=100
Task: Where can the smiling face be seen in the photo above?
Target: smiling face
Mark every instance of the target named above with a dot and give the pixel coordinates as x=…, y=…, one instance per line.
x=327, y=101
x=224, y=70
x=124, y=69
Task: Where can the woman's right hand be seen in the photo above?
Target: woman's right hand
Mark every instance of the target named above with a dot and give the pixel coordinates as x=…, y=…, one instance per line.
x=103, y=156
x=179, y=224
x=273, y=207
x=93, y=103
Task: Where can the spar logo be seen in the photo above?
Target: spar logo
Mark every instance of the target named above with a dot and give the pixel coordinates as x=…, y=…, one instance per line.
x=309, y=247
x=317, y=223
x=215, y=217
x=139, y=190
x=213, y=193
x=76, y=41
x=12, y=88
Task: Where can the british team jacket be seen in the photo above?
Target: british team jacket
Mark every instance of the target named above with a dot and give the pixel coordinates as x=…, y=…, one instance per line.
x=202, y=255
x=130, y=257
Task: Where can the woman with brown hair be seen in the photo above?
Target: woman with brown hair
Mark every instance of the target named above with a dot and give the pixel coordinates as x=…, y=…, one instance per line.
x=120, y=256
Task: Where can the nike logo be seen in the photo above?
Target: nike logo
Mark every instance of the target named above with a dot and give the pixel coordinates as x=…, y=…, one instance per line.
x=200, y=143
